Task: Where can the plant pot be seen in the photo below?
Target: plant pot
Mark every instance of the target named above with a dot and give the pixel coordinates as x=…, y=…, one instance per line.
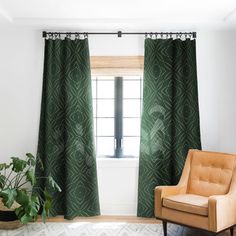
x=8, y=218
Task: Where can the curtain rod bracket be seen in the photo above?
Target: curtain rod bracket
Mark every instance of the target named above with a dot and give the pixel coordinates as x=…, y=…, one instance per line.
x=119, y=34
x=44, y=34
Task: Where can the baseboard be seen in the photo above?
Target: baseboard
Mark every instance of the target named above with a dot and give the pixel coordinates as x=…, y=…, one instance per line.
x=119, y=209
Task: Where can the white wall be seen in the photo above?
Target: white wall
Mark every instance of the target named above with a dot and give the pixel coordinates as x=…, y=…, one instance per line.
x=216, y=53
x=21, y=65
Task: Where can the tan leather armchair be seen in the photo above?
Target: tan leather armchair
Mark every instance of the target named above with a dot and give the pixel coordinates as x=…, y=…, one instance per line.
x=205, y=196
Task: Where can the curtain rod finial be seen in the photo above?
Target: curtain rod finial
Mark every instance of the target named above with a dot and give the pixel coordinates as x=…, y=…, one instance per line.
x=44, y=34
x=194, y=35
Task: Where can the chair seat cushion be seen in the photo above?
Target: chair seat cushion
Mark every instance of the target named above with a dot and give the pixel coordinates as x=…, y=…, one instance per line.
x=190, y=203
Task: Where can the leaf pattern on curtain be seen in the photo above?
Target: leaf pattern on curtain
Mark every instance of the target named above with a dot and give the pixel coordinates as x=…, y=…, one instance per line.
x=66, y=140
x=170, y=116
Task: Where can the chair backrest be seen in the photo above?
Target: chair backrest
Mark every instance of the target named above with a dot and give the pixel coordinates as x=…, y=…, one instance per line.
x=210, y=173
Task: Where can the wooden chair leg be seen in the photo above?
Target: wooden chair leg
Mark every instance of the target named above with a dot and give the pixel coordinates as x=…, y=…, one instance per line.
x=164, y=224
x=232, y=231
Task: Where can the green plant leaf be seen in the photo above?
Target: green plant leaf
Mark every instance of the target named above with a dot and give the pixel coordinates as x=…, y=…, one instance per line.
x=47, y=195
x=19, y=212
x=30, y=176
x=35, y=199
x=44, y=214
x=25, y=219
x=48, y=201
x=35, y=217
x=31, y=162
x=4, y=166
x=34, y=205
x=31, y=156
x=29, y=203
x=40, y=162
x=18, y=165
x=29, y=208
x=2, y=181
x=33, y=209
x=8, y=197
x=53, y=183
x=46, y=205
x=22, y=197
x=31, y=159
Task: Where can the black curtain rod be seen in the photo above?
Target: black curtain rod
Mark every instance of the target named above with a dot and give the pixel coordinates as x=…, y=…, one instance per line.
x=119, y=33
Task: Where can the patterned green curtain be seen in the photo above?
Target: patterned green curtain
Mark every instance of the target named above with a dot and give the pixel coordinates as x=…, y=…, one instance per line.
x=66, y=142
x=170, y=116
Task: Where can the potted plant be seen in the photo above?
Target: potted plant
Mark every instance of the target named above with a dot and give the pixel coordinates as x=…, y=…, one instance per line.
x=21, y=199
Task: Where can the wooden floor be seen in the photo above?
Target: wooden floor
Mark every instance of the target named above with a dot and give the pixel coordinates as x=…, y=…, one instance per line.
x=97, y=219
x=183, y=231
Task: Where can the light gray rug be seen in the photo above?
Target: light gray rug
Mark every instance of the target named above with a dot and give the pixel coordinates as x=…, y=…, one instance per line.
x=99, y=229
x=90, y=229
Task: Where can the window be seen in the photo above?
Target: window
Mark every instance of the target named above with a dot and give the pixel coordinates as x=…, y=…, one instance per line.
x=117, y=112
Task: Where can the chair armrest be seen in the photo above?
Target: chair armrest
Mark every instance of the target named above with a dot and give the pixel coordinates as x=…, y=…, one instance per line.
x=181, y=188
x=165, y=191
x=222, y=211
x=222, y=208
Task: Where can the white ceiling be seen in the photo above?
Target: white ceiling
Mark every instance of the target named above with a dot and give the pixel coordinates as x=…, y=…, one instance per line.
x=129, y=15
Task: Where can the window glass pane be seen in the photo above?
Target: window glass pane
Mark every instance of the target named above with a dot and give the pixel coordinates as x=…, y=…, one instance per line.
x=105, y=146
x=94, y=126
x=131, y=89
x=94, y=108
x=94, y=88
x=131, y=146
x=105, y=108
x=132, y=77
x=105, y=126
x=131, y=126
x=131, y=108
x=141, y=88
x=105, y=89
x=95, y=145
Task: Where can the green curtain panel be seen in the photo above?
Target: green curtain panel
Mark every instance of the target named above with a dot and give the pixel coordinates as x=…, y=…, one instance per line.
x=66, y=140
x=170, y=116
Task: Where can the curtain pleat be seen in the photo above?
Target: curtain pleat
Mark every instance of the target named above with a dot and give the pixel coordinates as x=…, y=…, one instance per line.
x=170, y=116
x=66, y=140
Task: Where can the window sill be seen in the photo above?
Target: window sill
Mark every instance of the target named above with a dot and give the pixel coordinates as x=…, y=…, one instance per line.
x=128, y=162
